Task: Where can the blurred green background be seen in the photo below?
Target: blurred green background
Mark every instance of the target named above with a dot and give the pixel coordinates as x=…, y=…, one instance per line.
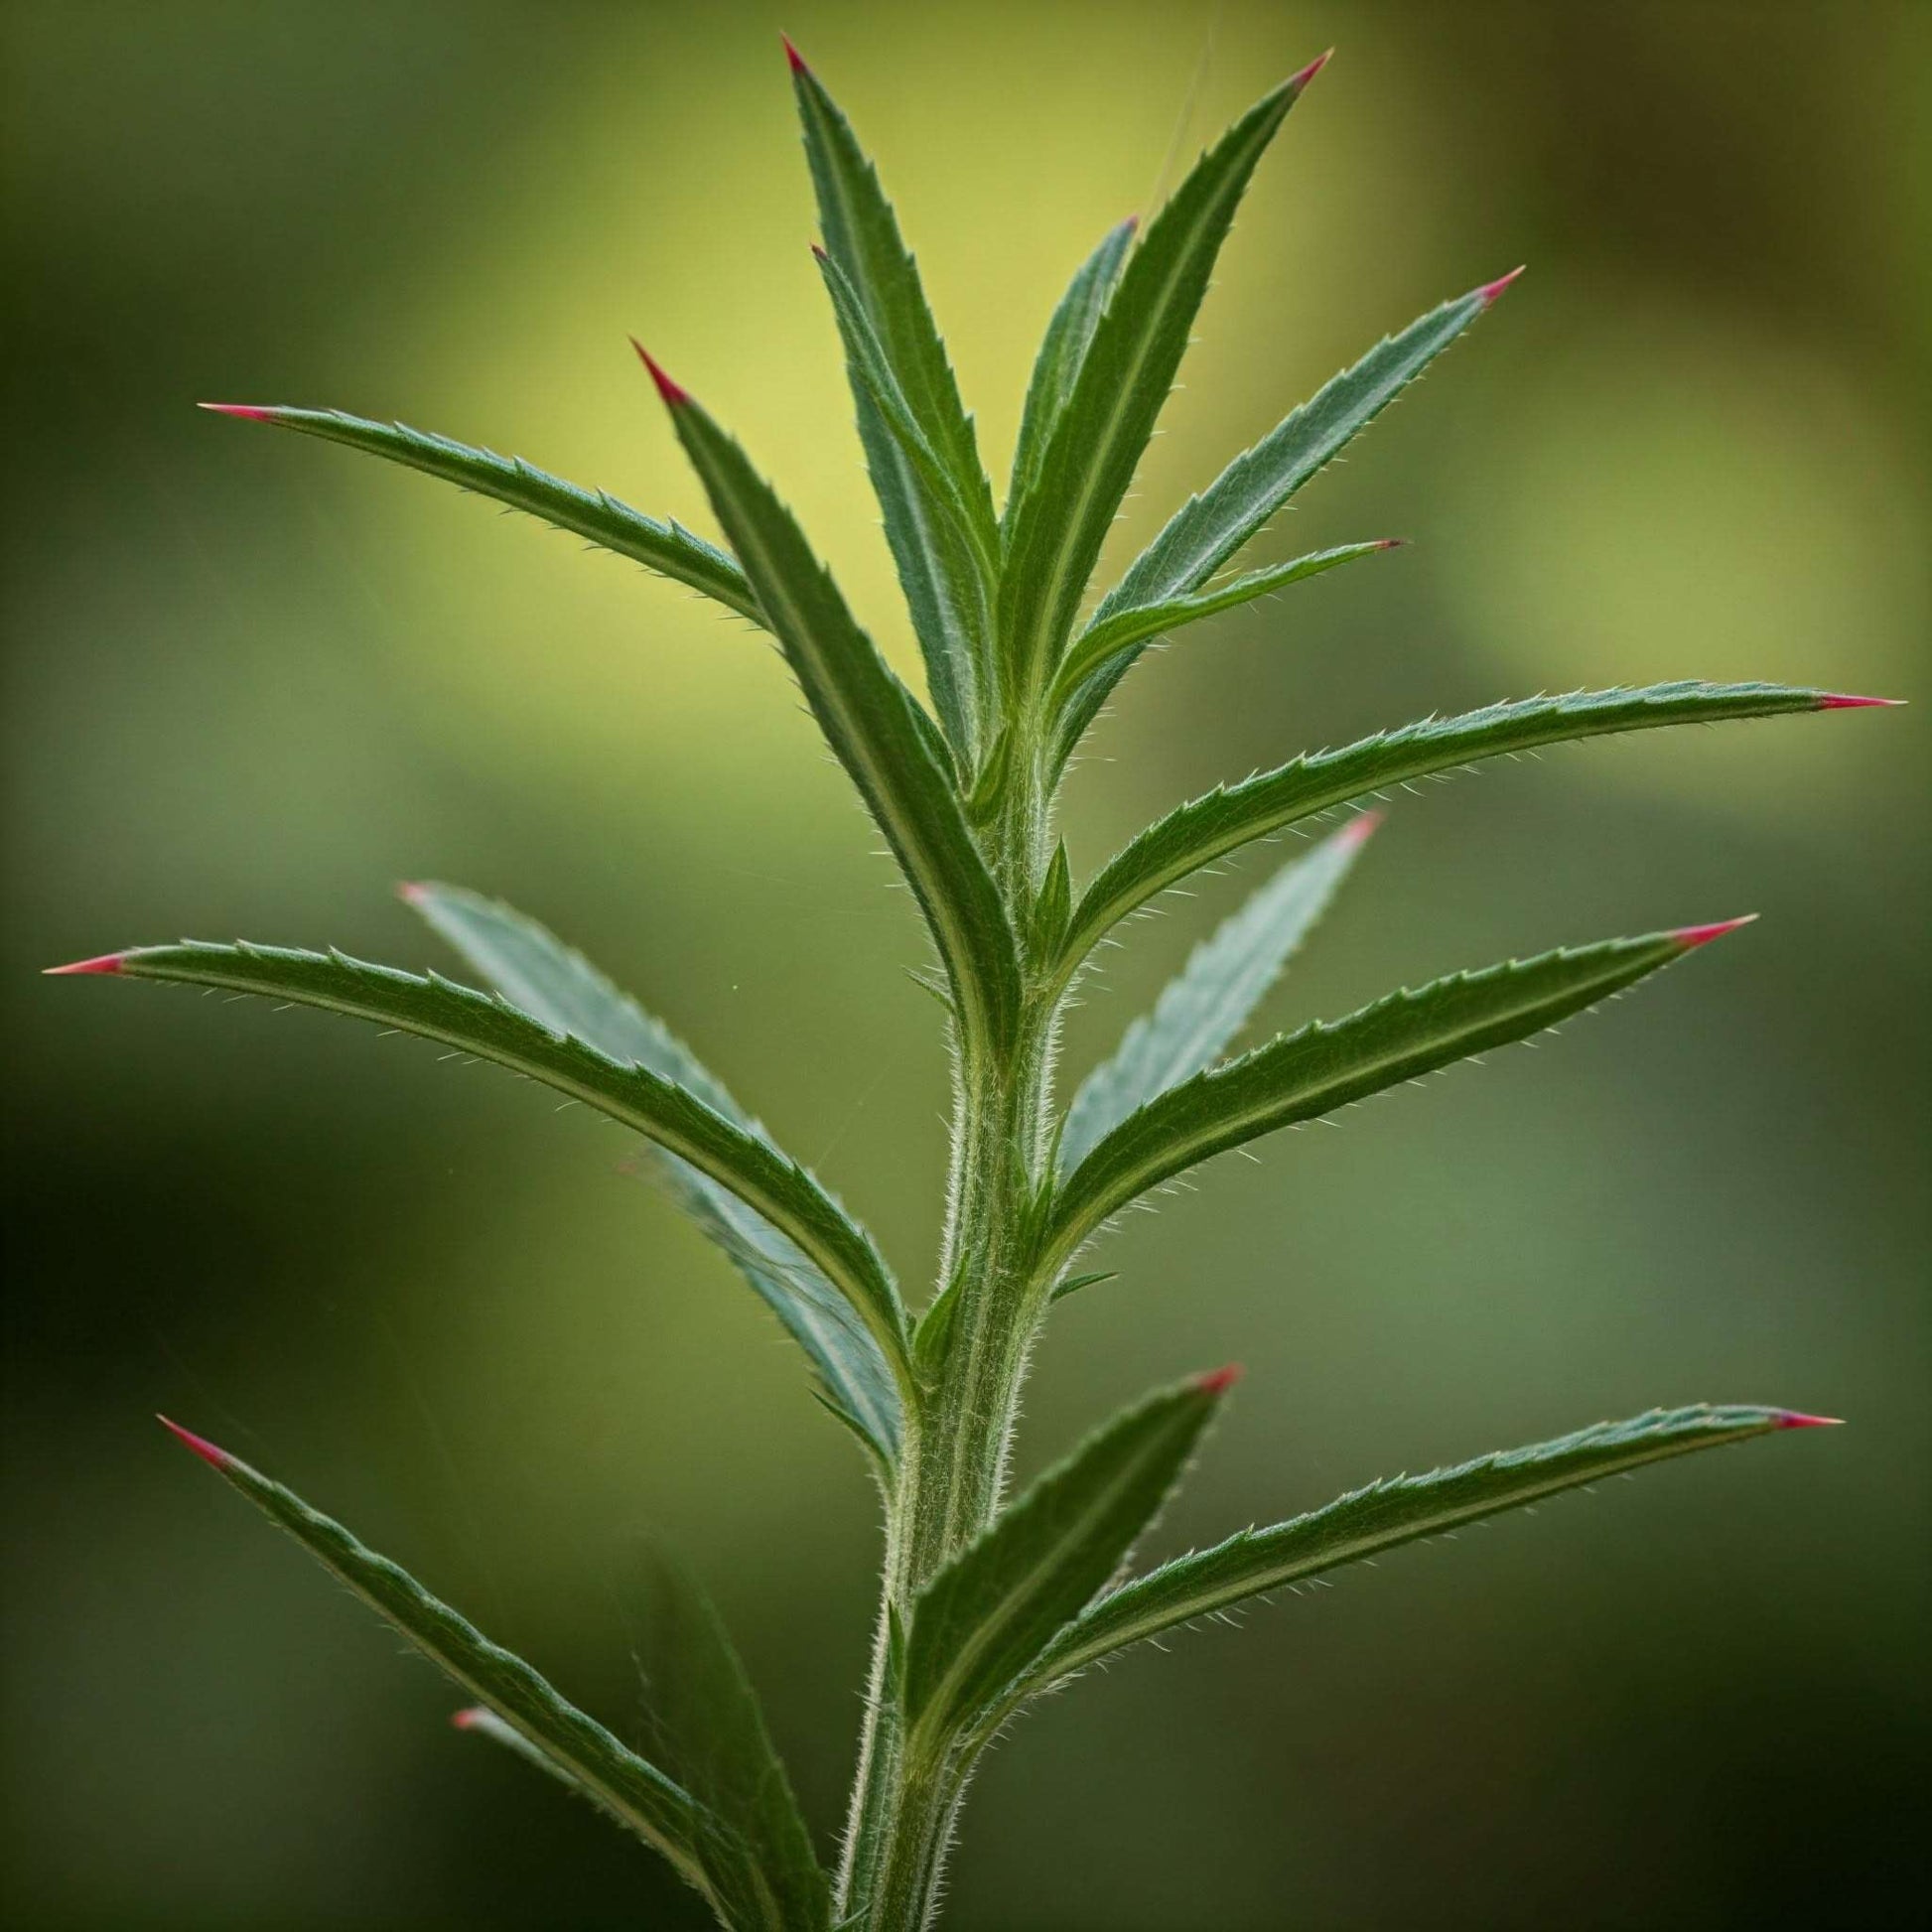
x=253, y=681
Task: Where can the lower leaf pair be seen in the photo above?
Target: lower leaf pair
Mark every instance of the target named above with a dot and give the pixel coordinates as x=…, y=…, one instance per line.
x=1020, y=1611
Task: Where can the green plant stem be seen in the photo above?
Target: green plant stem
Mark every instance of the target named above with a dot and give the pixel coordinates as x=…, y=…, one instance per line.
x=954, y=1467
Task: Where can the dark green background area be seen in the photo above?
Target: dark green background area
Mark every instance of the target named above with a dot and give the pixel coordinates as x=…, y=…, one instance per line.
x=251, y=682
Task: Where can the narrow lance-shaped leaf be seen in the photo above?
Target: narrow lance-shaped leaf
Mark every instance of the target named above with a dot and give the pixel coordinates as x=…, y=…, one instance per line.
x=1207, y=828
x=709, y=1732
x=1207, y=530
x=492, y=1030
x=1062, y=350
x=1209, y=1001
x=1333, y=1063
x=705, y=1851
x=1107, y=638
x=535, y=971
x=962, y=532
x=861, y=237
x=1368, y=1521
x=985, y=1616
x=870, y=720
x=665, y=547
x=1055, y=533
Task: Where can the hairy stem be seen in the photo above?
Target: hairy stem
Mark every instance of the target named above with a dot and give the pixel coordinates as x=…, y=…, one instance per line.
x=954, y=1468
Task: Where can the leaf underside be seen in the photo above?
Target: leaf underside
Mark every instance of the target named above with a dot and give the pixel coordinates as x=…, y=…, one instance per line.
x=533, y=970
x=1205, y=1004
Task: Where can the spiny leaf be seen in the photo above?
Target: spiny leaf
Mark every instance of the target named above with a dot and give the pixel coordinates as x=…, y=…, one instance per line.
x=710, y=1733
x=1062, y=350
x=1210, y=529
x=991, y=1610
x=869, y=719
x=1333, y=1063
x=536, y=972
x=773, y=1186
x=1056, y=533
x=1132, y=626
x=1210, y=999
x=1368, y=1521
x=1207, y=828
x=704, y=1849
x=861, y=237
x=667, y=548
x=956, y=541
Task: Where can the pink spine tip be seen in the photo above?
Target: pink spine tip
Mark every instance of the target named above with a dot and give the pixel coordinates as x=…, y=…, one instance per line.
x=1843, y=701
x=1791, y=1419
x=247, y=411
x=107, y=962
x=1358, y=829
x=410, y=892
x=1299, y=80
x=1392, y=543
x=1688, y=937
x=1218, y=1381
x=673, y=396
x=1489, y=291
x=1132, y=225
x=469, y=1718
x=793, y=58
x=216, y=1457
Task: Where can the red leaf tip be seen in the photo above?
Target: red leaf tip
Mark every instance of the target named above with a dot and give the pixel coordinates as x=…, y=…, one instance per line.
x=673, y=396
x=410, y=892
x=1688, y=937
x=1299, y=80
x=1218, y=1381
x=819, y=254
x=107, y=962
x=1791, y=1419
x=217, y=1458
x=793, y=58
x=470, y=1717
x=1391, y=543
x=247, y=412
x=1356, y=832
x=1843, y=701
x=1490, y=290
